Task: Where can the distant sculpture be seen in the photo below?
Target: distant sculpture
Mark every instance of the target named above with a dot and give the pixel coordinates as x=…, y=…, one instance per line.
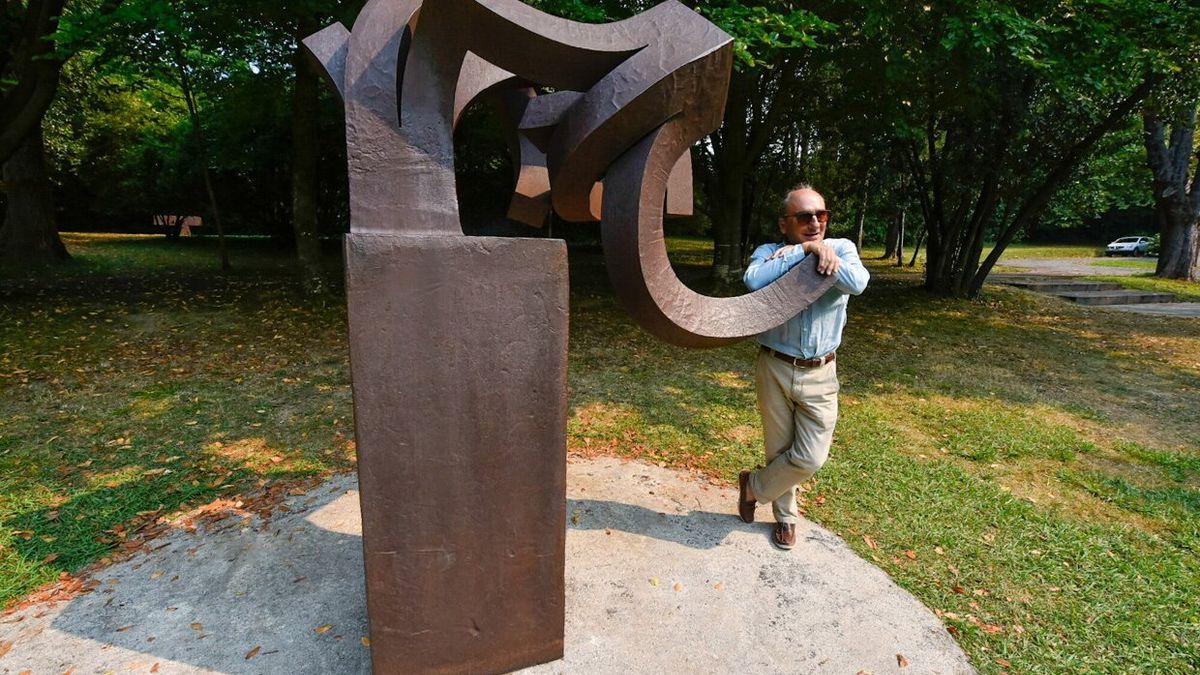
x=458, y=344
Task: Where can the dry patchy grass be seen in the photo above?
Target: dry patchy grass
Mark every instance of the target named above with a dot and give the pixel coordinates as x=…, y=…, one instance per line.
x=1039, y=461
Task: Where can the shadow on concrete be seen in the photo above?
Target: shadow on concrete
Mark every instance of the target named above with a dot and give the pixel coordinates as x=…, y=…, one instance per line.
x=694, y=529
x=242, y=596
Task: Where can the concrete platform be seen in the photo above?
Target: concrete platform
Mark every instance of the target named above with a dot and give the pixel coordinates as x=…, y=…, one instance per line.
x=661, y=577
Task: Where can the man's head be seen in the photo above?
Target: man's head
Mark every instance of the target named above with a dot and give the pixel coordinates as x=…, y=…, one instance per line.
x=803, y=217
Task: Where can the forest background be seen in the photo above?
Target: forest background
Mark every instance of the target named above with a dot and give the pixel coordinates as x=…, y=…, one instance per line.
x=967, y=124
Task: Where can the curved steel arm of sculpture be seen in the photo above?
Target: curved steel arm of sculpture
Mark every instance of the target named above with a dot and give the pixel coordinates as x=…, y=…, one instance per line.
x=633, y=96
x=642, y=275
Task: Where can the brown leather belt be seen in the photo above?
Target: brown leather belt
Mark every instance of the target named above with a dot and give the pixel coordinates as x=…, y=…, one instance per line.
x=801, y=363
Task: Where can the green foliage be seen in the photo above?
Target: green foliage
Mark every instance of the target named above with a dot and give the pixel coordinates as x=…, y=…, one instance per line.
x=996, y=107
x=763, y=32
x=127, y=117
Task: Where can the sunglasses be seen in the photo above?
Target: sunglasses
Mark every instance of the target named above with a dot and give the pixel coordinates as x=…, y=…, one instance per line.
x=822, y=216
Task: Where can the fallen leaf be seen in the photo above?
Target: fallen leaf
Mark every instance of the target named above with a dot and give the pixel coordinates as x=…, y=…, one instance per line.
x=157, y=574
x=50, y=558
x=719, y=586
x=321, y=630
x=154, y=668
x=870, y=542
x=901, y=661
x=366, y=641
x=197, y=626
x=122, y=629
x=678, y=587
x=910, y=554
x=4, y=647
x=1004, y=662
x=939, y=550
x=653, y=581
x=253, y=652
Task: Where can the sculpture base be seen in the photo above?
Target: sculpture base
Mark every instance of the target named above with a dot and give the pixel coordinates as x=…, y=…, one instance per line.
x=458, y=351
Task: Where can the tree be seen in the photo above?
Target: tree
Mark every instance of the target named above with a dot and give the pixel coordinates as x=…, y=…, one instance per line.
x=772, y=42
x=995, y=106
x=29, y=72
x=1172, y=159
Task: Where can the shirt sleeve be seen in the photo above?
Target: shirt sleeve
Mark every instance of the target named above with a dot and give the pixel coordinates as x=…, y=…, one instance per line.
x=852, y=275
x=761, y=272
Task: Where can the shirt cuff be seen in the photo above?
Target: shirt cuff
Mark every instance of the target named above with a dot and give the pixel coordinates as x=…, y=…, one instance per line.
x=794, y=256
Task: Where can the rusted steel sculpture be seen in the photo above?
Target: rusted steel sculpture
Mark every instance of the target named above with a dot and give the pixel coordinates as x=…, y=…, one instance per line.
x=458, y=344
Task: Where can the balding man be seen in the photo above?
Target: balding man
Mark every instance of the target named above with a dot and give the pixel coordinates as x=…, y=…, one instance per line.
x=796, y=375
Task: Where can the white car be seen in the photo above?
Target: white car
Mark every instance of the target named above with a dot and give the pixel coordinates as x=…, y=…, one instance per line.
x=1128, y=246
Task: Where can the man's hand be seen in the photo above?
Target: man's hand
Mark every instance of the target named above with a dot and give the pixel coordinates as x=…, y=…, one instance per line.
x=827, y=260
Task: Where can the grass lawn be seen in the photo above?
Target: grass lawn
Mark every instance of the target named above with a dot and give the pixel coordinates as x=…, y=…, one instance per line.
x=1027, y=468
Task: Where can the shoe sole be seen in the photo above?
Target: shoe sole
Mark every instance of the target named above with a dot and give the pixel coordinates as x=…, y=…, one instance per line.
x=743, y=480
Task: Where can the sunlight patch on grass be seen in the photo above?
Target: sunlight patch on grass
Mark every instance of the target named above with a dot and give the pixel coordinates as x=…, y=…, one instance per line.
x=1130, y=262
x=1018, y=251
x=732, y=380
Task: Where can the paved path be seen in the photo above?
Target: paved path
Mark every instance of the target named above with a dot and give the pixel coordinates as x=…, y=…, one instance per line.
x=661, y=577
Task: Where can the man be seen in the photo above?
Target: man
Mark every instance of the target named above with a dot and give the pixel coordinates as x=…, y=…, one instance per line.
x=796, y=374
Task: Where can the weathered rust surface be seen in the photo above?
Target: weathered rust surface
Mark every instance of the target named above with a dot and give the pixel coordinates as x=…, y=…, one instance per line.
x=460, y=421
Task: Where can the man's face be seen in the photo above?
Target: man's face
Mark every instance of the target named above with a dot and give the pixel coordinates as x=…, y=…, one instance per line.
x=799, y=230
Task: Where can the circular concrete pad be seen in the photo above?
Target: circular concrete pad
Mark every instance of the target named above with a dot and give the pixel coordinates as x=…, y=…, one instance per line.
x=661, y=576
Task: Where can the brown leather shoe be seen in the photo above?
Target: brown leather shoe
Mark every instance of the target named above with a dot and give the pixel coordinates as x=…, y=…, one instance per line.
x=745, y=507
x=784, y=536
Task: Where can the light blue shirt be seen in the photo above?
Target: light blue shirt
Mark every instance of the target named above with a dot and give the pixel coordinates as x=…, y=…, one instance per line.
x=817, y=330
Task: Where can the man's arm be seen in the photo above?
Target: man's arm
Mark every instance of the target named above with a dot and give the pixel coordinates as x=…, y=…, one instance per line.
x=766, y=267
x=852, y=275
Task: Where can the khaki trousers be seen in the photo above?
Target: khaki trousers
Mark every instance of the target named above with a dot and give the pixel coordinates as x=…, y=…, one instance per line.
x=799, y=408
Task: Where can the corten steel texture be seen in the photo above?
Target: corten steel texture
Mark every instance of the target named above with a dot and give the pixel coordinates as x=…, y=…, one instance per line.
x=460, y=421
x=642, y=276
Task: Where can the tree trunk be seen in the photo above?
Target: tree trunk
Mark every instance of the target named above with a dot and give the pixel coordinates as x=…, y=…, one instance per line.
x=893, y=236
x=900, y=242
x=31, y=69
x=189, y=97
x=917, y=249
x=1176, y=196
x=728, y=183
x=861, y=216
x=1180, y=254
x=28, y=237
x=304, y=174
x=727, y=229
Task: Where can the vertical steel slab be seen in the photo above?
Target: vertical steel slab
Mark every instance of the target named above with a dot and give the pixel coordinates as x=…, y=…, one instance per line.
x=458, y=349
